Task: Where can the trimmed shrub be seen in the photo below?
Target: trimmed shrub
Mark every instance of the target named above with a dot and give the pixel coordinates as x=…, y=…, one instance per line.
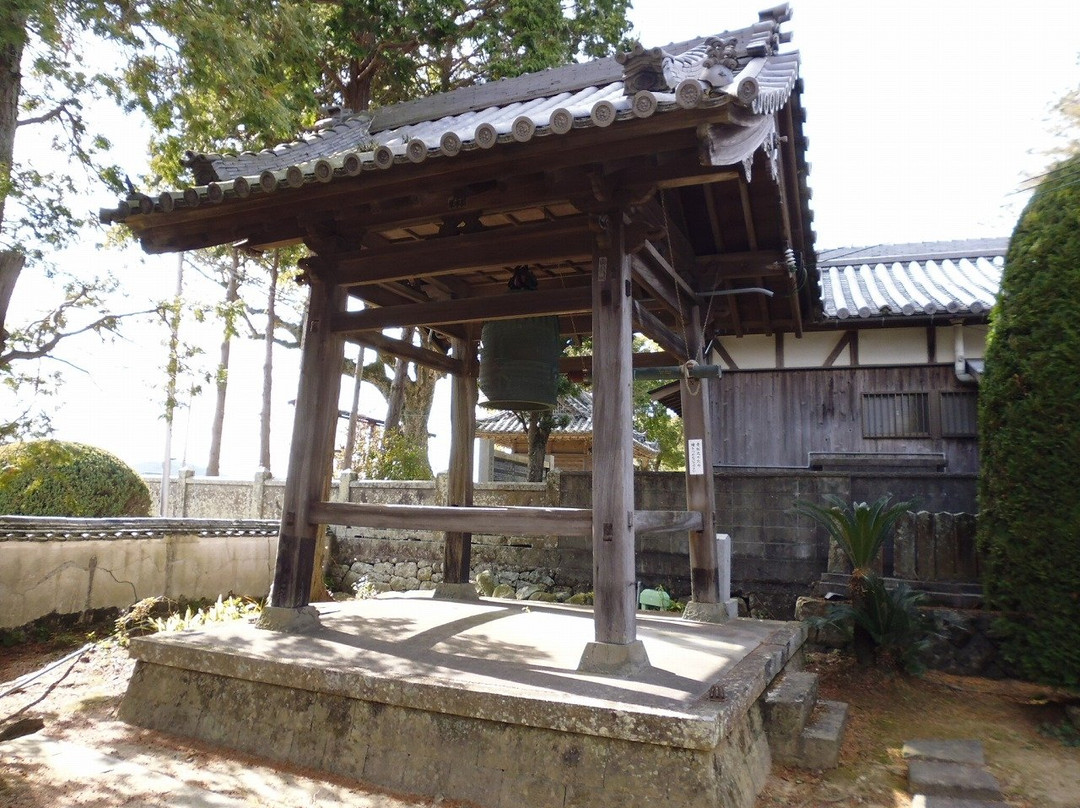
x=1029, y=432
x=56, y=478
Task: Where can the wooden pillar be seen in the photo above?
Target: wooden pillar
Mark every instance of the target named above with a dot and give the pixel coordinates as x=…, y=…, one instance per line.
x=700, y=488
x=459, y=485
x=613, y=441
x=312, y=452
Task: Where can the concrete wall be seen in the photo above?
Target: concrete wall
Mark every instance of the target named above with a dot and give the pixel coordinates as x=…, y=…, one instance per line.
x=72, y=565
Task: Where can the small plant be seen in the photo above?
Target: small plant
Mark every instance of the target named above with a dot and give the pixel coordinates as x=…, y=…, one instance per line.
x=899, y=629
x=156, y=614
x=859, y=530
x=1063, y=731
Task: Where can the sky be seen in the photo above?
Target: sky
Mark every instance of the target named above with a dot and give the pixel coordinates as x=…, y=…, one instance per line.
x=923, y=118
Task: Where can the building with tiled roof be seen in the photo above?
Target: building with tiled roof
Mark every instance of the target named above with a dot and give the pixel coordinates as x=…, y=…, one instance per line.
x=884, y=376
x=570, y=444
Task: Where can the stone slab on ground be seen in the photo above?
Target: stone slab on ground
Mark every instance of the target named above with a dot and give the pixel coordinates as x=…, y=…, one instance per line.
x=952, y=751
x=823, y=735
x=480, y=701
x=923, y=801
x=935, y=778
x=84, y=763
x=787, y=705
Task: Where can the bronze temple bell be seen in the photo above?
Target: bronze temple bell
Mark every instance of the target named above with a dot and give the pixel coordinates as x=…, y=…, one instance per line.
x=519, y=359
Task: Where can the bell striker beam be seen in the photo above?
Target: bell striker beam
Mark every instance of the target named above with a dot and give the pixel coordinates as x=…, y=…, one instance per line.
x=700, y=494
x=459, y=490
x=617, y=649
x=312, y=451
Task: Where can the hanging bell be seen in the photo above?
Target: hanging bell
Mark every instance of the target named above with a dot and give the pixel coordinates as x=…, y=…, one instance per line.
x=519, y=363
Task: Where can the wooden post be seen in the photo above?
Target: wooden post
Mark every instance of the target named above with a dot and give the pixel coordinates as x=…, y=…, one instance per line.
x=700, y=493
x=459, y=485
x=617, y=649
x=312, y=452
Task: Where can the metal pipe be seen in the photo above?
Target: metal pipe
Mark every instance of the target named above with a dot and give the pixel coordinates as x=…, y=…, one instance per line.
x=745, y=291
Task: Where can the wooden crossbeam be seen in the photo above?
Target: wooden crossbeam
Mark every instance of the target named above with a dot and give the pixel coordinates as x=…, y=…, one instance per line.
x=502, y=246
x=507, y=520
x=647, y=359
x=406, y=350
x=469, y=310
x=652, y=327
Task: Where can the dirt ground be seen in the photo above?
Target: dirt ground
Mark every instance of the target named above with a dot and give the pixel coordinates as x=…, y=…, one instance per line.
x=1022, y=727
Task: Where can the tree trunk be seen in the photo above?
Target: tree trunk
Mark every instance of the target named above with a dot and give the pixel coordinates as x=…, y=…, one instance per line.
x=11, y=264
x=862, y=642
x=268, y=363
x=213, y=464
x=13, y=25
x=395, y=401
x=348, y=457
x=13, y=31
x=539, y=432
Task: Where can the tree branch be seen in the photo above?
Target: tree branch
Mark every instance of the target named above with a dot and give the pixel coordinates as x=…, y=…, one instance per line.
x=43, y=349
x=55, y=112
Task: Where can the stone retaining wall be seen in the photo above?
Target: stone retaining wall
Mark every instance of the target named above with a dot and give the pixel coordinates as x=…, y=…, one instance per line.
x=69, y=566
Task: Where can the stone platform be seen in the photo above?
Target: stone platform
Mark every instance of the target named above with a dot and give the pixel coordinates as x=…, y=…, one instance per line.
x=479, y=701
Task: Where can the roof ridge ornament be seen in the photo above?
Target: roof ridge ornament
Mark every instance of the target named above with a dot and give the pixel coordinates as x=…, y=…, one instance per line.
x=655, y=70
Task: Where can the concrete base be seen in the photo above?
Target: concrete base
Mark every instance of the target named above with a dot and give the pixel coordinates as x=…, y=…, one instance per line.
x=612, y=659
x=303, y=620
x=479, y=701
x=711, y=612
x=466, y=591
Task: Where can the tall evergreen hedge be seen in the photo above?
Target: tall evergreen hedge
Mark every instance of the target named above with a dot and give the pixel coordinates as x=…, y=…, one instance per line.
x=1029, y=431
x=57, y=478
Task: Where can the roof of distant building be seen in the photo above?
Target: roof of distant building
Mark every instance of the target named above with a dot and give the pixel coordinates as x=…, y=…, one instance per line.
x=897, y=280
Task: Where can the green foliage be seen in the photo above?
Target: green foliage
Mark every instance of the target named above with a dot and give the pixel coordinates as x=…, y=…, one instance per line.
x=56, y=478
x=151, y=615
x=401, y=458
x=900, y=630
x=858, y=529
x=1029, y=438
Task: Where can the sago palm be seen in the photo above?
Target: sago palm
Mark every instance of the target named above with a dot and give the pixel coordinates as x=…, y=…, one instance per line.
x=859, y=530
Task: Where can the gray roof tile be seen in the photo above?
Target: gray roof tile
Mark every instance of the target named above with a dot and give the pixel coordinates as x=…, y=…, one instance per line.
x=946, y=277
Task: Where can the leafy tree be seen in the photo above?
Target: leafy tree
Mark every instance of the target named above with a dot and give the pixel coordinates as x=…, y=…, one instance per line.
x=1029, y=436
x=43, y=89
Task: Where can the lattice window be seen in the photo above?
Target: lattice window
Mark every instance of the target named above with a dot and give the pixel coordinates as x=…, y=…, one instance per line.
x=959, y=415
x=896, y=415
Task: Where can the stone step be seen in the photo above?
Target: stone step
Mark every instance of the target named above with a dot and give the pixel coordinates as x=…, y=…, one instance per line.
x=788, y=704
x=823, y=736
x=940, y=778
x=952, y=751
x=923, y=801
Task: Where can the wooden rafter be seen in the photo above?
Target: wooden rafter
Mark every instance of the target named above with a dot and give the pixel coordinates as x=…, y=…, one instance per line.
x=470, y=310
x=406, y=350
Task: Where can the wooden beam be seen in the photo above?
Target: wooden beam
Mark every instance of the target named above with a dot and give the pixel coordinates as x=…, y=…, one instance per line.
x=653, y=328
x=510, y=521
x=406, y=350
x=646, y=522
x=469, y=310
x=647, y=359
x=497, y=246
x=312, y=452
x=457, y=544
x=700, y=494
x=741, y=266
x=614, y=586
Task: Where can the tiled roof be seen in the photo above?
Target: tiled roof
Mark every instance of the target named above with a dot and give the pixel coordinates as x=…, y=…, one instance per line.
x=946, y=277
x=578, y=408
x=741, y=68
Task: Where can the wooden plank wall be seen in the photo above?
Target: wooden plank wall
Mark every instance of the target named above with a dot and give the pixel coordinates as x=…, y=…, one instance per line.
x=776, y=417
